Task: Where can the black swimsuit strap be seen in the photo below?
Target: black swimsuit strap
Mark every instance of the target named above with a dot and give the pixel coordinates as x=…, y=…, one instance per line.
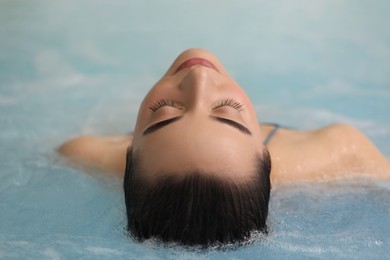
x=272, y=133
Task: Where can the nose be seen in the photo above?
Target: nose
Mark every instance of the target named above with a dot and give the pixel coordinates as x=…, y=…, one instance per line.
x=198, y=87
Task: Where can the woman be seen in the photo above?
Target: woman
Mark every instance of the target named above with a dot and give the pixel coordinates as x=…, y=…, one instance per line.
x=198, y=167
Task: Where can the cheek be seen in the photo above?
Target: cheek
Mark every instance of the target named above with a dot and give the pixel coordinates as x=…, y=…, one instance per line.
x=157, y=92
x=143, y=113
x=161, y=89
x=245, y=99
x=250, y=109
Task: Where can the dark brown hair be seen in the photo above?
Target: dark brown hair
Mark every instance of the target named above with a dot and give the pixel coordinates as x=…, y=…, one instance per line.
x=196, y=208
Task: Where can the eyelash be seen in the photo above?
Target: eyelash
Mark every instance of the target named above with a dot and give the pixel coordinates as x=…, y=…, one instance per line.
x=165, y=102
x=230, y=103
x=162, y=103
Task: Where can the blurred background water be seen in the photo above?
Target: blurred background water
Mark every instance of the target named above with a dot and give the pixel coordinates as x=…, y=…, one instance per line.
x=82, y=67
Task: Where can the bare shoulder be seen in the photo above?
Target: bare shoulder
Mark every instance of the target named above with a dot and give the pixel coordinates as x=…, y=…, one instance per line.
x=106, y=153
x=355, y=149
x=349, y=136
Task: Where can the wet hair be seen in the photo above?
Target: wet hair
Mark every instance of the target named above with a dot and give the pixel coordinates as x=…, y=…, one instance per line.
x=196, y=208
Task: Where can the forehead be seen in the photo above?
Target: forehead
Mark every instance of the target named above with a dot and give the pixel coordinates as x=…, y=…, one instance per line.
x=208, y=147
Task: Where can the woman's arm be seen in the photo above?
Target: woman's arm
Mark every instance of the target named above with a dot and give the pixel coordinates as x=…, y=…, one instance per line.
x=92, y=152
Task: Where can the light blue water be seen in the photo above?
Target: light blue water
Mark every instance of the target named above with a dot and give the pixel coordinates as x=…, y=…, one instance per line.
x=82, y=67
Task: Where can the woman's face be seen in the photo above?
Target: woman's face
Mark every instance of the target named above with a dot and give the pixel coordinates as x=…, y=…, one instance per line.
x=196, y=117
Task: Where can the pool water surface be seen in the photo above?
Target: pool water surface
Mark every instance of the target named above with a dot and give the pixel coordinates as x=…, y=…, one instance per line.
x=82, y=67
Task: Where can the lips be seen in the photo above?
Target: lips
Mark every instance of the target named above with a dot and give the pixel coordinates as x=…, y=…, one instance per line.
x=196, y=61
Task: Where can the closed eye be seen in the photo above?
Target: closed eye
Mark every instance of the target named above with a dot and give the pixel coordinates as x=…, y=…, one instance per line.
x=230, y=103
x=164, y=102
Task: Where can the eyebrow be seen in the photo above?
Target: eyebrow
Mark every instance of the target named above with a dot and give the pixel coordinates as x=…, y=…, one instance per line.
x=232, y=123
x=226, y=121
x=160, y=125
